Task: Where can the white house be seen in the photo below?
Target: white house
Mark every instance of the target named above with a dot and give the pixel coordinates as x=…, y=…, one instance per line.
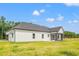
x=32, y=32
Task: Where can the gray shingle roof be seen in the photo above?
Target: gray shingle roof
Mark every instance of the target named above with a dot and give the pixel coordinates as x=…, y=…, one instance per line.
x=55, y=29
x=35, y=27
x=30, y=26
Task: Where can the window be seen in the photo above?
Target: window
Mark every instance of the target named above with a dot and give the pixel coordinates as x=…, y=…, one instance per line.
x=42, y=36
x=53, y=36
x=12, y=35
x=48, y=35
x=33, y=36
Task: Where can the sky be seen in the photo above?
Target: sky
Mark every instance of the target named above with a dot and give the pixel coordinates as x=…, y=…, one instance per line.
x=45, y=14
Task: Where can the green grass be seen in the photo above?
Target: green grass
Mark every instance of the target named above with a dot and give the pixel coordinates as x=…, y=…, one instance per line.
x=68, y=47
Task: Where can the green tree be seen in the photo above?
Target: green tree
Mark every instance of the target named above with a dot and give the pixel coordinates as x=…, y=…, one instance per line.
x=2, y=21
x=68, y=34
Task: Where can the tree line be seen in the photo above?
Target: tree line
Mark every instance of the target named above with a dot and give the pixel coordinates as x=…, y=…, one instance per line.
x=7, y=25
x=68, y=34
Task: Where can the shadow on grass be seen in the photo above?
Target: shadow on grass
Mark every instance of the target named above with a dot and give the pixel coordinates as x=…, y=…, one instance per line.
x=67, y=53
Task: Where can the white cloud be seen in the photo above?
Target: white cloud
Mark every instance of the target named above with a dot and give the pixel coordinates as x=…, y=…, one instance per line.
x=72, y=4
x=42, y=10
x=50, y=20
x=36, y=13
x=60, y=18
x=73, y=21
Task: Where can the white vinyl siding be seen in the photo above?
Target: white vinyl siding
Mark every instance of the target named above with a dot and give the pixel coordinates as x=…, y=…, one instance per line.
x=11, y=36
x=60, y=31
x=25, y=35
x=18, y=35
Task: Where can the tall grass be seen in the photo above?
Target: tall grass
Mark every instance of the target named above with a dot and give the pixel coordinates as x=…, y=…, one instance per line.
x=68, y=47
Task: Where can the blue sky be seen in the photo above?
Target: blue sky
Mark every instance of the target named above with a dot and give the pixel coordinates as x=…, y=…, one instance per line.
x=46, y=14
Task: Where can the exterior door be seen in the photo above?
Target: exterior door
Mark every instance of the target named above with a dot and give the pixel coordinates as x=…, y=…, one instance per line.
x=53, y=36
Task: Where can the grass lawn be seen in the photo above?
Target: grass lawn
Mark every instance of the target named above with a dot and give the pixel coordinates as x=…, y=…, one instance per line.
x=68, y=47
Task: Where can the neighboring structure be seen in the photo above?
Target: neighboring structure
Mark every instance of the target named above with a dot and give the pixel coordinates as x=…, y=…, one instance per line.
x=32, y=32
